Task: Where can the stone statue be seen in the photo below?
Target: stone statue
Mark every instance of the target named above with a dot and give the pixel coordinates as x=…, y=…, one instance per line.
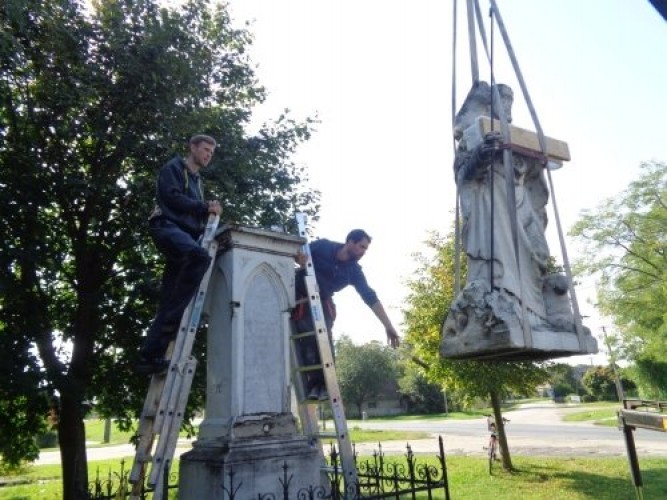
x=511, y=307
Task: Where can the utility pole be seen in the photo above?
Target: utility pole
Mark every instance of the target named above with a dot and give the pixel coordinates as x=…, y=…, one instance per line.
x=612, y=359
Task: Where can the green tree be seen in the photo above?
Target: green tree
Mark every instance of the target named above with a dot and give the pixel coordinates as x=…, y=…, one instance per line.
x=624, y=245
x=92, y=103
x=364, y=371
x=423, y=396
x=600, y=383
x=563, y=379
x=431, y=292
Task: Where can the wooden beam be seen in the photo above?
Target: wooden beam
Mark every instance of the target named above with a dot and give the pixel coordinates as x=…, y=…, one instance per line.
x=557, y=150
x=644, y=419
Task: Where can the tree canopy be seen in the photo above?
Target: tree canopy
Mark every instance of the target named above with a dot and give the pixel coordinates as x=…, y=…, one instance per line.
x=431, y=293
x=624, y=243
x=93, y=100
x=364, y=370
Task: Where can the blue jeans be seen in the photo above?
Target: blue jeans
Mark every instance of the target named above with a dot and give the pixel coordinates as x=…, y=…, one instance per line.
x=186, y=264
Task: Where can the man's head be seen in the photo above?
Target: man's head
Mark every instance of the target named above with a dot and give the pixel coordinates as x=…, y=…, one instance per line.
x=201, y=150
x=357, y=242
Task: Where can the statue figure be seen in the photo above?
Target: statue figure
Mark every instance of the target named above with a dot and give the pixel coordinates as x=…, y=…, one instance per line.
x=511, y=307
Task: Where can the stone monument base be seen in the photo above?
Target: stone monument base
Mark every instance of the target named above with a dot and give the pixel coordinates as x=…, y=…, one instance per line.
x=249, y=461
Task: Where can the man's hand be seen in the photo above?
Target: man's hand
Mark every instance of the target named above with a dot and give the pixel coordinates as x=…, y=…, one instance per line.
x=214, y=207
x=300, y=258
x=392, y=337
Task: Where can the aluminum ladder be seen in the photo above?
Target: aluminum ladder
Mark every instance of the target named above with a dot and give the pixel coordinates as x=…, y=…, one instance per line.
x=303, y=368
x=168, y=391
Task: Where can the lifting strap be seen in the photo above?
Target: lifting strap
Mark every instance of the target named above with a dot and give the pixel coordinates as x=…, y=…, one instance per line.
x=507, y=154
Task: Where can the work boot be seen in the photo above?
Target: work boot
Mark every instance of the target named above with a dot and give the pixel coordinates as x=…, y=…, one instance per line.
x=314, y=393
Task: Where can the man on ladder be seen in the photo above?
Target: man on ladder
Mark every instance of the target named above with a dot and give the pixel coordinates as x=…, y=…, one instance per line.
x=181, y=232
x=336, y=266
x=176, y=225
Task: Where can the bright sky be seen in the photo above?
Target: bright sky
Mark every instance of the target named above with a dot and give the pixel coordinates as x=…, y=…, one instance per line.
x=378, y=74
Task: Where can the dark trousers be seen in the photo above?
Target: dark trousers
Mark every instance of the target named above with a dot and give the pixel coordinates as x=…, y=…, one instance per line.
x=186, y=264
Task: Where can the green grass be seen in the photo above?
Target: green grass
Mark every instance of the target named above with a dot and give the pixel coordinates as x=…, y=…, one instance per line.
x=95, y=433
x=555, y=479
x=454, y=415
x=358, y=435
x=598, y=413
x=534, y=478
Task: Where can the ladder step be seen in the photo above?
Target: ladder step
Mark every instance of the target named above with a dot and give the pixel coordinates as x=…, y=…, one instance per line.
x=301, y=335
x=326, y=435
x=309, y=368
x=331, y=469
x=315, y=401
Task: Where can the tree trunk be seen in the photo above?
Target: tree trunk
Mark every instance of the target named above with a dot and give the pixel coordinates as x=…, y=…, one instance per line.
x=500, y=429
x=72, y=438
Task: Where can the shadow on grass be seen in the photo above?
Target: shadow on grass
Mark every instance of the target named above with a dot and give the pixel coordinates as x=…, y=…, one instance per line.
x=587, y=483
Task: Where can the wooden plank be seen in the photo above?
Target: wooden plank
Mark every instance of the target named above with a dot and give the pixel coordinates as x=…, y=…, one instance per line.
x=528, y=139
x=645, y=419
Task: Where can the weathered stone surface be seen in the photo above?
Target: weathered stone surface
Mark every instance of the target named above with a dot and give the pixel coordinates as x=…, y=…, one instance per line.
x=511, y=306
x=212, y=469
x=249, y=429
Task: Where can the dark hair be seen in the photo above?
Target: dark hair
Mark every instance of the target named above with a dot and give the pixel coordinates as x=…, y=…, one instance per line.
x=196, y=139
x=357, y=235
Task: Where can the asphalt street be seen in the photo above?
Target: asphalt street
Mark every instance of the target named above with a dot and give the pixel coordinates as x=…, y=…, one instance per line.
x=532, y=430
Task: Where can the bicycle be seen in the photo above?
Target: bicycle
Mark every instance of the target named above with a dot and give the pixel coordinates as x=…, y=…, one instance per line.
x=492, y=449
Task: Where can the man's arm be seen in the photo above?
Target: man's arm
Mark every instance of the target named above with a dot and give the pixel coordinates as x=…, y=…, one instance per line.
x=392, y=335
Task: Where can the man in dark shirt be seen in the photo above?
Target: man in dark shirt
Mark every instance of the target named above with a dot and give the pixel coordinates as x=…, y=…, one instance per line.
x=336, y=266
x=176, y=224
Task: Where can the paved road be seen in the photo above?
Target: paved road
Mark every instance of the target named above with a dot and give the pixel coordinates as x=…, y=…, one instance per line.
x=532, y=430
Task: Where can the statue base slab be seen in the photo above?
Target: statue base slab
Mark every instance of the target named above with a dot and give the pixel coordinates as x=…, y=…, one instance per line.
x=489, y=325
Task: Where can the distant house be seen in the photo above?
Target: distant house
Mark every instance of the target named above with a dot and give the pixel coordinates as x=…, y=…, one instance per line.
x=388, y=402
x=545, y=391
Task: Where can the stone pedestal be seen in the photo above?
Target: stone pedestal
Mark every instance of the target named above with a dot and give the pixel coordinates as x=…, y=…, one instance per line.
x=249, y=432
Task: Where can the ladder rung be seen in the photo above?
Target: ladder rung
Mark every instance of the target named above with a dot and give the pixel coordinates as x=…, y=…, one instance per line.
x=331, y=469
x=301, y=335
x=309, y=368
x=325, y=435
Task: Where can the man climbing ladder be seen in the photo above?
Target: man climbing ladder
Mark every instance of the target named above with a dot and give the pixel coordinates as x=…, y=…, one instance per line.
x=176, y=224
x=168, y=392
x=327, y=267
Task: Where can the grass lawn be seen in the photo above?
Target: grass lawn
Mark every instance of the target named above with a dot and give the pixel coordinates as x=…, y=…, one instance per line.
x=534, y=478
x=598, y=413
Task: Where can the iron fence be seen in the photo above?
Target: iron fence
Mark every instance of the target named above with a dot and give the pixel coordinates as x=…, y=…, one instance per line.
x=377, y=477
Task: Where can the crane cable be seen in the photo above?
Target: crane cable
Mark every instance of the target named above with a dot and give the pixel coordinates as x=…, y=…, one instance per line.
x=542, y=141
